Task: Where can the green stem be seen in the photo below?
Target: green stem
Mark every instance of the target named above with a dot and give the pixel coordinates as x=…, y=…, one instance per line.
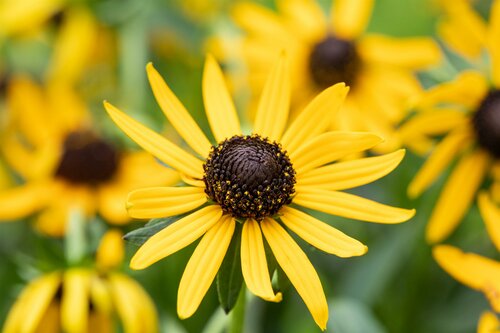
x=238, y=314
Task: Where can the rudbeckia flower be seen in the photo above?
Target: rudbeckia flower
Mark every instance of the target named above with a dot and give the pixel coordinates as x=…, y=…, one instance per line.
x=475, y=271
x=85, y=299
x=65, y=164
x=324, y=51
x=466, y=112
x=261, y=180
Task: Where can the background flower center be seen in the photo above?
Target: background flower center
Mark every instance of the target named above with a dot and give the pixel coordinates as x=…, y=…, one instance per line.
x=334, y=60
x=487, y=123
x=248, y=176
x=87, y=159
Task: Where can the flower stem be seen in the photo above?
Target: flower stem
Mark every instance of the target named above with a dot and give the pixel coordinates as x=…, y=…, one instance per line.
x=238, y=314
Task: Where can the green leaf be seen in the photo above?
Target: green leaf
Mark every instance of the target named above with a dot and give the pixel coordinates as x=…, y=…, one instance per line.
x=141, y=235
x=230, y=277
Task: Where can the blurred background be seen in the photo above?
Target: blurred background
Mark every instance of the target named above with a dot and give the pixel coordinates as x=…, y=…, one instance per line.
x=395, y=287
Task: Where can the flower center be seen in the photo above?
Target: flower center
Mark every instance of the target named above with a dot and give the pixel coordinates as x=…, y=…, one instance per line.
x=486, y=122
x=87, y=159
x=248, y=176
x=334, y=60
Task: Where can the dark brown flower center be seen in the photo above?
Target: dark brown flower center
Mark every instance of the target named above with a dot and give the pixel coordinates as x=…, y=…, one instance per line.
x=487, y=123
x=248, y=176
x=334, y=60
x=87, y=159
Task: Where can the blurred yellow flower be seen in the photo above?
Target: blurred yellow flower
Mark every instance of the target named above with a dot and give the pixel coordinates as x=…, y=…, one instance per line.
x=51, y=143
x=253, y=179
x=83, y=300
x=488, y=323
x=324, y=51
x=467, y=112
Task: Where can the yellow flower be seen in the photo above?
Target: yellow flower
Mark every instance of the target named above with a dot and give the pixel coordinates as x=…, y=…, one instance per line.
x=475, y=271
x=253, y=179
x=65, y=165
x=82, y=300
x=466, y=112
x=324, y=51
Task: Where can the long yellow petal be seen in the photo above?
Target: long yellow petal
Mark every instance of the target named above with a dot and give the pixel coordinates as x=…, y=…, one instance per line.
x=254, y=263
x=203, y=265
x=31, y=305
x=75, y=301
x=156, y=202
x=350, y=17
x=274, y=104
x=457, y=195
x=311, y=121
x=321, y=235
x=413, y=53
x=440, y=158
x=491, y=216
x=351, y=206
x=488, y=323
x=177, y=114
x=298, y=268
x=176, y=236
x=330, y=146
x=132, y=304
x=349, y=174
x=494, y=46
x=306, y=15
x=156, y=144
x=219, y=105
x=473, y=270
x=23, y=16
x=20, y=202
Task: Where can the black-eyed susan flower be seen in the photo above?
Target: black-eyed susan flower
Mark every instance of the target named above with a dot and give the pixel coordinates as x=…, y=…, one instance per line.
x=260, y=180
x=475, y=271
x=85, y=299
x=324, y=51
x=466, y=112
x=65, y=164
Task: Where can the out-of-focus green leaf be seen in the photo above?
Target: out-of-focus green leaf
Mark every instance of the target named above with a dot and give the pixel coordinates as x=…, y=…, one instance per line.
x=351, y=316
x=230, y=277
x=76, y=239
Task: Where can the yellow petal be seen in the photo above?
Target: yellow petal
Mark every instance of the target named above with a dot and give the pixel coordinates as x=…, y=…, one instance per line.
x=254, y=263
x=219, y=106
x=351, y=206
x=75, y=300
x=464, y=29
x=349, y=174
x=177, y=114
x=467, y=89
x=320, y=234
x=272, y=112
x=488, y=323
x=157, y=202
x=31, y=305
x=155, y=144
x=111, y=250
x=442, y=155
x=298, y=269
x=23, y=16
x=311, y=121
x=330, y=146
x=100, y=295
x=176, y=236
x=134, y=307
x=203, y=266
x=474, y=271
x=350, y=17
x=413, y=53
x=457, y=195
x=21, y=201
x=494, y=46
x=491, y=216
x=306, y=16
x=71, y=55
